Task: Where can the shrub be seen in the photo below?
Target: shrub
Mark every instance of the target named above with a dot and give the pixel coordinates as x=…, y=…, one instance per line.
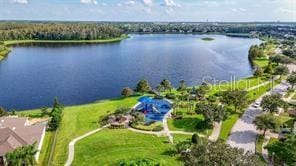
x=139, y=162
x=127, y=92
x=157, y=128
x=170, y=96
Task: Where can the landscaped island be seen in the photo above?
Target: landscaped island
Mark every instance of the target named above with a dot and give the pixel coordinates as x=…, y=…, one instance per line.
x=207, y=39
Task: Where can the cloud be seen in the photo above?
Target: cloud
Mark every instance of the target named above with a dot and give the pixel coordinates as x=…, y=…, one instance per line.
x=89, y=2
x=20, y=1
x=104, y=4
x=148, y=2
x=238, y=9
x=130, y=3
x=171, y=3
x=287, y=11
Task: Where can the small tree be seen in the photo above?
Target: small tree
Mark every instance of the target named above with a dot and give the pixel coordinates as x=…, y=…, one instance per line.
x=202, y=90
x=166, y=84
x=211, y=112
x=182, y=86
x=275, y=59
x=127, y=92
x=292, y=79
x=258, y=72
x=281, y=70
x=284, y=153
x=143, y=86
x=265, y=122
x=268, y=68
x=271, y=102
x=237, y=98
x=195, y=139
x=3, y=112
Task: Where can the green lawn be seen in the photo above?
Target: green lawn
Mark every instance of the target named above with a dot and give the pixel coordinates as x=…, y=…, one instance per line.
x=272, y=140
x=188, y=123
x=46, y=148
x=263, y=62
x=78, y=120
x=108, y=147
x=181, y=137
x=227, y=126
x=259, y=142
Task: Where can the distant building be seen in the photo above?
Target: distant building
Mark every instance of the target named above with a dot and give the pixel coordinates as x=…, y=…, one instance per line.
x=16, y=132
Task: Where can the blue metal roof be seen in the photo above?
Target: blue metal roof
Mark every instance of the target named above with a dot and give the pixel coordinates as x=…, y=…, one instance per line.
x=145, y=99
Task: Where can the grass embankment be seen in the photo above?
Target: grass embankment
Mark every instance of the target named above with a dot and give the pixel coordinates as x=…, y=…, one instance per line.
x=4, y=51
x=78, y=120
x=245, y=35
x=227, y=126
x=15, y=42
x=46, y=148
x=108, y=147
x=258, y=145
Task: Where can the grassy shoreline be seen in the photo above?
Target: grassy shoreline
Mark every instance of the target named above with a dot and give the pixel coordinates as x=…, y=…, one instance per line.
x=16, y=42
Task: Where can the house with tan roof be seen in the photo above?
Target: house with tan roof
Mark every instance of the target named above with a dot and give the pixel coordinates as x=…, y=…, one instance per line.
x=16, y=132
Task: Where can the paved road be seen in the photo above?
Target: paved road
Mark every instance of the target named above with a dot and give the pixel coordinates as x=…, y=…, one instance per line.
x=243, y=134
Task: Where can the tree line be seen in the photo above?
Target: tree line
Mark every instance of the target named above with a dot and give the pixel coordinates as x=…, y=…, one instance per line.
x=57, y=31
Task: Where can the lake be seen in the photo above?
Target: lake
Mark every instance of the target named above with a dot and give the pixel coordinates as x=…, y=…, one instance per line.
x=31, y=76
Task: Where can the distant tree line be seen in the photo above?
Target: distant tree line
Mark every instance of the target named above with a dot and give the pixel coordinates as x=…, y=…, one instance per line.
x=57, y=31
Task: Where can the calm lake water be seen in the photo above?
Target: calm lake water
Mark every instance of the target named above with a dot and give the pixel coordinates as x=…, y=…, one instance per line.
x=32, y=76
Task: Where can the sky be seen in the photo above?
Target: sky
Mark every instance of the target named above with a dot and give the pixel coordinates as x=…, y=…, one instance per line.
x=149, y=10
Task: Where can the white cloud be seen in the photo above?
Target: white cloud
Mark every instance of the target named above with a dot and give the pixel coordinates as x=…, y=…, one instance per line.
x=89, y=2
x=171, y=3
x=104, y=4
x=20, y=1
x=148, y=2
x=238, y=9
x=130, y=3
x=287, y=11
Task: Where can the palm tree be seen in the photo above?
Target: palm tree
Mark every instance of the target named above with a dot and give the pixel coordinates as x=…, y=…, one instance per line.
x=265, y=122
x=23, y=156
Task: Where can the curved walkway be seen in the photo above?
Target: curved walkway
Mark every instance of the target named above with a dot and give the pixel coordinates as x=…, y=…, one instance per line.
x=72, y=143
x=216, y=131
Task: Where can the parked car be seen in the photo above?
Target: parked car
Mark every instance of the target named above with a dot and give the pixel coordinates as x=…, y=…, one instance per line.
x=256, y=104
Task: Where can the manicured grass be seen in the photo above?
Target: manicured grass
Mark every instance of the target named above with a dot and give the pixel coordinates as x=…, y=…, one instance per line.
x=14, y=42
x=294, y=97
x=272, y=140
x=46, y=148
x=78, y=120
x=187, y=123
x=108, y=147
x=263, y=62
x=227, y=126
x=181, y=137
x=259, y=142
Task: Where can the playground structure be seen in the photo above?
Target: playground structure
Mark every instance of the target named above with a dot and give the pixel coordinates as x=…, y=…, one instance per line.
x=153, y=109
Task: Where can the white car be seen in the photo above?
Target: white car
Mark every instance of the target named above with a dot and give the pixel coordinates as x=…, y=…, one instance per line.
x=256, y=104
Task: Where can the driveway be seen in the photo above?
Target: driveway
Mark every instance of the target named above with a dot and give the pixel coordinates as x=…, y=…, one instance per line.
x=243, y=134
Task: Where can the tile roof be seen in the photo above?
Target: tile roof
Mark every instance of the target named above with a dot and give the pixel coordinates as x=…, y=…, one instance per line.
x=14, y=133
